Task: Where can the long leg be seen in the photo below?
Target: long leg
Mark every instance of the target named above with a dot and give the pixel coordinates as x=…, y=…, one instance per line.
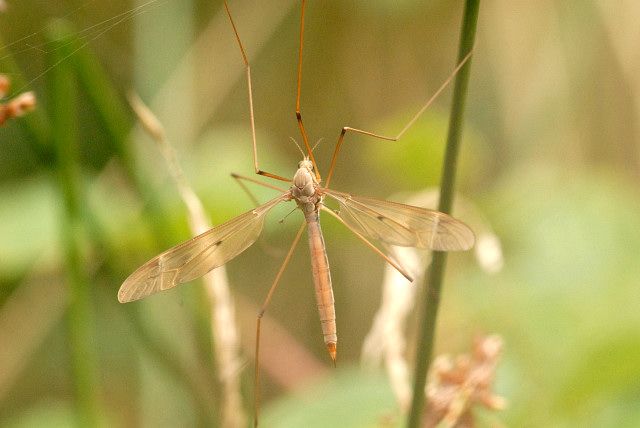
x=251, y=115
x=386, y=258
x=246, y=190
x=263, y=308
x=334, y=158
x=298, y=112
x=239, y=177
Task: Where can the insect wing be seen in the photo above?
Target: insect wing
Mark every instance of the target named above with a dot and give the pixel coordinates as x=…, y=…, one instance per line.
x=403, y=225
x=201, y=254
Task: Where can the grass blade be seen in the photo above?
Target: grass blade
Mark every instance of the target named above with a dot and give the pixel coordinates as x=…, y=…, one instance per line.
x=62, y=95
x=436, y=271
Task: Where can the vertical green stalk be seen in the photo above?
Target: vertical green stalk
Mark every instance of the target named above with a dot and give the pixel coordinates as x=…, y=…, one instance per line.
x=62, y=96
x=114, y=116
x=436, y=271
x=189, y=377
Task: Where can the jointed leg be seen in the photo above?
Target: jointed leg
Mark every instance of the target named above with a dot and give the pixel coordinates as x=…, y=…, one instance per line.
x=401, y=133
x=244, y=187
x=239, y=177
x=386, y=258
x=298, y=112
x=253, y=126
x=263, y=308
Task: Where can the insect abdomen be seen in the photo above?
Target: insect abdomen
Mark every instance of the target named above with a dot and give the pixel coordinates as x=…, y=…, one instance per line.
x=322, y=283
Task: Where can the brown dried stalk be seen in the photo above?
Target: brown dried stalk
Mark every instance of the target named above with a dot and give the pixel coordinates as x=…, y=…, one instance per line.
x=224, y=331
x=386, y=341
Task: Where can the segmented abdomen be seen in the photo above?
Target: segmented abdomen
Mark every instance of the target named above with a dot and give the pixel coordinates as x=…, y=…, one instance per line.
x=322, y=282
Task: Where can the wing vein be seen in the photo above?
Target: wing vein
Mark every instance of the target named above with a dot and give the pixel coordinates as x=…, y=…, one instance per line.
x=403, y=225
x=199, y=255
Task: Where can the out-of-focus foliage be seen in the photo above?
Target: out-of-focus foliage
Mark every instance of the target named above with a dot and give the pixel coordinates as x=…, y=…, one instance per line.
x=550, y=157
x=369, y=398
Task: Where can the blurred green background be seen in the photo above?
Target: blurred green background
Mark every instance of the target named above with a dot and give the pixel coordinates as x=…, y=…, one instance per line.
x=550, y=157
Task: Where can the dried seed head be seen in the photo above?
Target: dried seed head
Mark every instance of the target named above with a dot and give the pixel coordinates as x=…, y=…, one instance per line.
x=17, y=107
x=5, y=83
x=457, y=385
x=23, y=103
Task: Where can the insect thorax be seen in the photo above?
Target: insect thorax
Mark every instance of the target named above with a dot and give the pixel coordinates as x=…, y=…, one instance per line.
x=303, y=190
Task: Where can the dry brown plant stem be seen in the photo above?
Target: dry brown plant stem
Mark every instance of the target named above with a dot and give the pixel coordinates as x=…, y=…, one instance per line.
x=225, y=338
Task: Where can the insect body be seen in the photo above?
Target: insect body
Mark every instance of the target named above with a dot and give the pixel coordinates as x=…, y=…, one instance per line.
x=368, y=218
x=305, y=192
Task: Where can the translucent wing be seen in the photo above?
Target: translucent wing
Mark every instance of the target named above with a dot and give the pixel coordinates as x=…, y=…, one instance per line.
x=402, y=225
x=199, y=255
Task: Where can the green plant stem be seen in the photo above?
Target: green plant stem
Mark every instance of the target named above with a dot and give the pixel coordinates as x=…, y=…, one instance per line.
x=115, y=118
x=191, y=378
x=116, y=121
x=62, y=94
x=436, y=271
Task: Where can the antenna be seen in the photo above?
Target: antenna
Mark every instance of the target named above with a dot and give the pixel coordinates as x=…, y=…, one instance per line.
x=296, y=143
x=316, y=144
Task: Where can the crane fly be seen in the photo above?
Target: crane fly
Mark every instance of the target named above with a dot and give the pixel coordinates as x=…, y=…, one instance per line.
x=368, y=218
